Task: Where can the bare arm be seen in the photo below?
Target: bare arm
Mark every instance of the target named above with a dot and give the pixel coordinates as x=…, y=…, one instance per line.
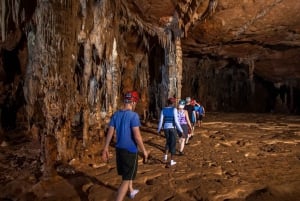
x=139, y=140
x=105, y=153
x=188, y=119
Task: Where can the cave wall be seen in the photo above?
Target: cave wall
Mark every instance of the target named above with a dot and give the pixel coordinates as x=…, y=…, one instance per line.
x=70, y=62
x=231, y=85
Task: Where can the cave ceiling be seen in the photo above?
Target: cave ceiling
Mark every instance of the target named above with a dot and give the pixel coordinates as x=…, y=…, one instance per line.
x=266, y=33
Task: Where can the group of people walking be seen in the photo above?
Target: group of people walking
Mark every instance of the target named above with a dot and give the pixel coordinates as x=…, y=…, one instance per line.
x=125, y=124
x=179, y=122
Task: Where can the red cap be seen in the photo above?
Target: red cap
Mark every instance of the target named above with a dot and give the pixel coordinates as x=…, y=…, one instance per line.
x=171, y=100
x=131, y=96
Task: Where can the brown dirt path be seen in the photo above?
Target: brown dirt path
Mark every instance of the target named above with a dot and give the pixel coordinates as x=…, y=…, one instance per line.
x=233, y=157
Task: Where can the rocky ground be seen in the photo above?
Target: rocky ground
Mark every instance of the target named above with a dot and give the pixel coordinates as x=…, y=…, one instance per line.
x=233, y=157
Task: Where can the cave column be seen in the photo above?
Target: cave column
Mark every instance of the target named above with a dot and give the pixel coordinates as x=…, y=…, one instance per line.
x=174, y=66
x=53, y=66
x=112, y=79
x=178, y=66
x=86, y=79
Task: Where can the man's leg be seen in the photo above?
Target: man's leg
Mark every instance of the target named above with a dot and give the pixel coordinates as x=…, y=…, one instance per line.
x=130, y=186
x=122, y=191
x=132, y=191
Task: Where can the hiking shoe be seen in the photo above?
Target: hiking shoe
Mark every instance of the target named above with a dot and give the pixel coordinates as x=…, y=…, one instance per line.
x=133, y=193
x=172, y=163
x=181, y=153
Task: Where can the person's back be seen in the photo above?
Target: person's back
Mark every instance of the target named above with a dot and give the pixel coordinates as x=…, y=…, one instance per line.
x=181, y=117
x=201, y=114
x=185, y=124
x=190, y=109
x=192, y=115
x=126, y=124
x=169, y=122
x=201, y=110
x=123, y=121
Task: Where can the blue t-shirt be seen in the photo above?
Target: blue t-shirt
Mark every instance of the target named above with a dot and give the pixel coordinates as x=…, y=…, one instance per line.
x=123, y=121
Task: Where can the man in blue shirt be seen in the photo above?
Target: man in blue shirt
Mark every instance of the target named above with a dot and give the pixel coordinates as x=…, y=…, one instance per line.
x=126, y=123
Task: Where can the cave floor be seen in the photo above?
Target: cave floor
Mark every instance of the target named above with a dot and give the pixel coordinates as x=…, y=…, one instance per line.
x=232, y=157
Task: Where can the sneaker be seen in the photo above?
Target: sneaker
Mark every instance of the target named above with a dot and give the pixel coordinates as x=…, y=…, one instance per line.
x=172, y=163
x=133, y=193
x=165, y=158
x=181, y=153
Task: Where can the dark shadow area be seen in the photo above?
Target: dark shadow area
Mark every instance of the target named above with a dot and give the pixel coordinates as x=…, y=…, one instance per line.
x=79, y=179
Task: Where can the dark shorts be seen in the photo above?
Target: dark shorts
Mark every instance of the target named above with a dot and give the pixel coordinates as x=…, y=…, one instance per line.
x=185, y=129
x=127, y=164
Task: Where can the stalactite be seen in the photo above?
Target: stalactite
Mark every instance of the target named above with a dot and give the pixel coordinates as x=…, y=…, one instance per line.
x=86, y=77
x=92, y=93
x=102, y=37
x=144, y=26
x=212, y=5
x=251, y=74
x=16, y=11
x=115, y=75
x=164, y=85
x=3, y=16
x=189, y=12
x=171, y=65
x=83, y=12
x=250, y=62
x=178, y=66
